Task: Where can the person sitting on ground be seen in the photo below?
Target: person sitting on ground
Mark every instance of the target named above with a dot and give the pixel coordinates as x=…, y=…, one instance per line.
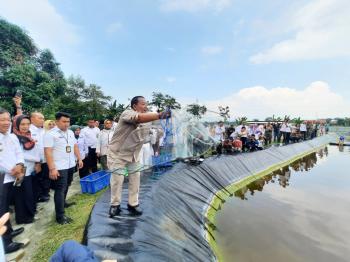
x=237, y=145
x=261, y=143
x=252, y=143
x=227, y=145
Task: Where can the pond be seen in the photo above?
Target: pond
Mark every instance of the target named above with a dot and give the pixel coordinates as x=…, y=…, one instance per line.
x=298, y=213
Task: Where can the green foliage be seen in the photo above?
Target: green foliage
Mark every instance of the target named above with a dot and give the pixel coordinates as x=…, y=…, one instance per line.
x=196, y=110
x=224, y=112
x=162, y=102
x=16, y=47
x=297, y=121
x=38, y=75
x=241, y=120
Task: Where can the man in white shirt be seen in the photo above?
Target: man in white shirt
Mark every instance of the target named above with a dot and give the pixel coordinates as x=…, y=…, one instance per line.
x=61, y=152
x=103, y=140
x=303, y=130
x=219, y=132
x=91, y=133
x=11, y=168
x=41, y=181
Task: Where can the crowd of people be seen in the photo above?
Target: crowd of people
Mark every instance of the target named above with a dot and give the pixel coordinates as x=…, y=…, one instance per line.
x=255, y=136
x=37, y=156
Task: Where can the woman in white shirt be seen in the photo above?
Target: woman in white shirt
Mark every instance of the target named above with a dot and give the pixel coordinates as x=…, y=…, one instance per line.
x=25, y=205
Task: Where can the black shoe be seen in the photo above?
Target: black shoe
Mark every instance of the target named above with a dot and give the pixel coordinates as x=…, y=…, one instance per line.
x=135, y=210
x=13, y=247
x=114, y=211
x=66, y=204
x=43, y=199
x=17, y=231
x=64, y=220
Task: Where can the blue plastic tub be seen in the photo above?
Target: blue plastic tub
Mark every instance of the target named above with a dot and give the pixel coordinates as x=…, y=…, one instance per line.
x=163, y=160
x=95, y=182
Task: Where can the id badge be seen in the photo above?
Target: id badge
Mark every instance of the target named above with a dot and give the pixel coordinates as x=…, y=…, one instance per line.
x=68, y=149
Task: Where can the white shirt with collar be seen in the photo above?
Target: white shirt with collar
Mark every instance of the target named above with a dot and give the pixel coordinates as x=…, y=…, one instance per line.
x=103, y=140
x=302, y=128
x=30, y=158
x=219, y=133
x=10, y=154
x=91, y=135
x=38, y=135
x=59, y=140
x=83, y=147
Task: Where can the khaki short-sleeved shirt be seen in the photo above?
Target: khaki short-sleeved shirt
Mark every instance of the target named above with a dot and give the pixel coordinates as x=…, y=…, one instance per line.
x=128, y=137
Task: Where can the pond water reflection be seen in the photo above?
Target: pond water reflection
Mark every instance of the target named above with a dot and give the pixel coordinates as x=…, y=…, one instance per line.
x=298, y=213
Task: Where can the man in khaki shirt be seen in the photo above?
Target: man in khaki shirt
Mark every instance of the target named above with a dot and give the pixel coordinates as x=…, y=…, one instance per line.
x=123, y=153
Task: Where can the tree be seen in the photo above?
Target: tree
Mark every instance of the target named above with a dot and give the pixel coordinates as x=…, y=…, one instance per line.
x=95, y=101
x=16, y=47
x=162, y=102
x=224, y=112
x=196, y=110
x=297, y=121
x=114, y=110
x=241, y=120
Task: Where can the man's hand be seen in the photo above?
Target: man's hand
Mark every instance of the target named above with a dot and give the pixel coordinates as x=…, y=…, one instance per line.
x=98, y=154
x=17, y=171
x=18, y=101
x=3, y=221
x=54, y=174
x=165, y=114
x=80, y=164
x=37, y=168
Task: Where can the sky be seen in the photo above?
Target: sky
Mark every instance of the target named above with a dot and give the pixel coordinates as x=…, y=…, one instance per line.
x=289, y=57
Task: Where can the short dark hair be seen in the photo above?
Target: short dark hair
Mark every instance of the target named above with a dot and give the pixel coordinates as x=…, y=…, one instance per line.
x=59, y=115
x=135, y=100
x=3, y=111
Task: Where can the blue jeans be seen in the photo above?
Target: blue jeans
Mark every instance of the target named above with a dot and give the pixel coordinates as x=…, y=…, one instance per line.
x=72, y=251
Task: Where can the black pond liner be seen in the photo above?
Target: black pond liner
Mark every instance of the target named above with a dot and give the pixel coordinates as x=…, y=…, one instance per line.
x=174, y=226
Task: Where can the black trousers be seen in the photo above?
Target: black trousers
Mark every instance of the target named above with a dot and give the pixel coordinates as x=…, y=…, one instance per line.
x=92, y=160
x=41, y=183
x=24, y=201
x=83, y=172
x=61, y=186
x=286, y=137
x=6, y=194
x=244, y=143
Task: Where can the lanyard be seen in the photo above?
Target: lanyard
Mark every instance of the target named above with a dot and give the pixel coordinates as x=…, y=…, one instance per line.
x=65, y=138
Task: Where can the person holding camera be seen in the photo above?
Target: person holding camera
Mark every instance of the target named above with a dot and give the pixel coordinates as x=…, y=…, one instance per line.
x=124, y=152
x=12, y=170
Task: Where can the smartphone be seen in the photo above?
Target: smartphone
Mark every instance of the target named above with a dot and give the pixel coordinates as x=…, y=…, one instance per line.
x=18, y=93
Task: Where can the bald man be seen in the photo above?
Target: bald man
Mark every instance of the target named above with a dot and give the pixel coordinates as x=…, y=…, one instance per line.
x=41, y=182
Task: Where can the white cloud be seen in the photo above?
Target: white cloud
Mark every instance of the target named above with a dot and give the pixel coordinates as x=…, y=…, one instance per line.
x=44, y=24
x=194, y=5
x=114, y=27
x=321, y=29
x=170, y=79
x=315, y=101
x=211, y=50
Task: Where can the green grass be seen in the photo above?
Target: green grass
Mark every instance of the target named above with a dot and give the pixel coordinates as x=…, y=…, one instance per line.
x=57, y=234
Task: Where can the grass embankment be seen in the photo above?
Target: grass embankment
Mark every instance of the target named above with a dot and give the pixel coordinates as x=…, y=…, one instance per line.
x=56, y=234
